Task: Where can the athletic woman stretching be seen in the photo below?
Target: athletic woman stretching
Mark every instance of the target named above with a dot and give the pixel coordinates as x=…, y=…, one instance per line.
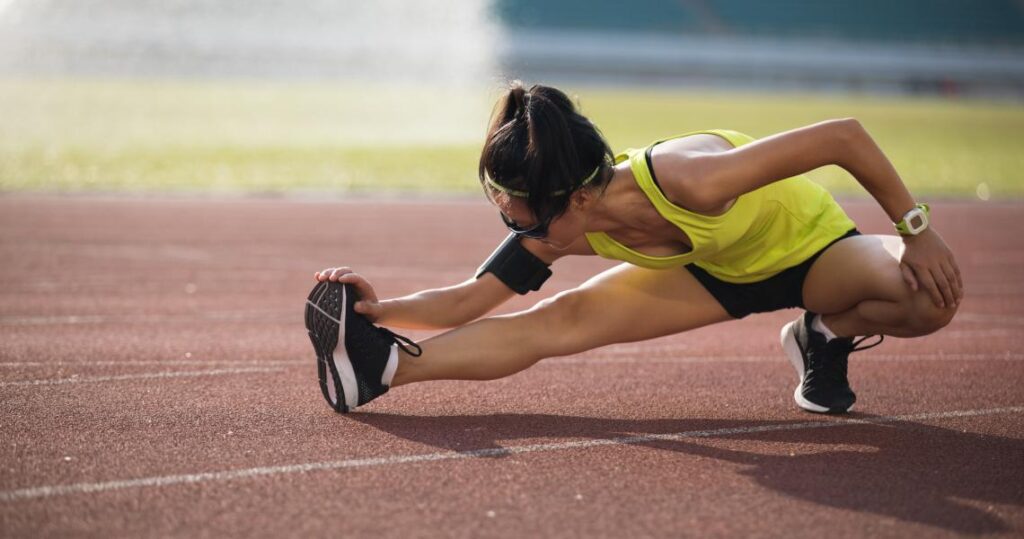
x=712, y=226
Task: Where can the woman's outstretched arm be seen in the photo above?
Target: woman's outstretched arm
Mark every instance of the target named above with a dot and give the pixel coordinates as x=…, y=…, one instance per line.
x=436, y=308
x=713, y=179
x=447, y=307
x=716, y=178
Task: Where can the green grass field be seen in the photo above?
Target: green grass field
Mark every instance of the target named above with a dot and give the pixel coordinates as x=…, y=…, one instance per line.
x=71, y=135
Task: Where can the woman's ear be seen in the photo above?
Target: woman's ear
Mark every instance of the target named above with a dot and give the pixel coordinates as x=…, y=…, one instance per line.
x=581, y=199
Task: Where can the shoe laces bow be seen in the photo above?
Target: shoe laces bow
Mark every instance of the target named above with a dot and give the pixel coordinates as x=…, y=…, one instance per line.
x=405, y=343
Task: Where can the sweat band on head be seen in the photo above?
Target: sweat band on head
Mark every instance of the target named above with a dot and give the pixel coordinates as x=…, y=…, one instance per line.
x=524, y=194
x=513, y=265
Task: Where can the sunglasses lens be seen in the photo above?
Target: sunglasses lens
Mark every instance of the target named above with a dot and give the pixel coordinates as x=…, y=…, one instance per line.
x=537, y=231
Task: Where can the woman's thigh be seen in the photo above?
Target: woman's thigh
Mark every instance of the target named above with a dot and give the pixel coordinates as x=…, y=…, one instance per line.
x=628, y=303
x=856, y=269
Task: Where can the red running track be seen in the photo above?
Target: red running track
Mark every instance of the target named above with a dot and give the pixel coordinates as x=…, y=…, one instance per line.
x=156, y=379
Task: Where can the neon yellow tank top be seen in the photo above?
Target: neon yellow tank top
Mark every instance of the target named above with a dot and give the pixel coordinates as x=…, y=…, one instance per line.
x=764, y=232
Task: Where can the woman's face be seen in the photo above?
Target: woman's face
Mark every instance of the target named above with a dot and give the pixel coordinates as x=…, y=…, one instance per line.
x=562, y=231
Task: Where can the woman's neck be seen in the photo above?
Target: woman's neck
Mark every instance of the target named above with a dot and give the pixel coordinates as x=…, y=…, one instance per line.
x=622, y=205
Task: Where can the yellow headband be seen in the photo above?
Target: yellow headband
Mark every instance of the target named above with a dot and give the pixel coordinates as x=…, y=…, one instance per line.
x=524, y=194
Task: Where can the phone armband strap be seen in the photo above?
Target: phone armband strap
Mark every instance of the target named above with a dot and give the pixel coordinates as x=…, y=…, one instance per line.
x=513, y=265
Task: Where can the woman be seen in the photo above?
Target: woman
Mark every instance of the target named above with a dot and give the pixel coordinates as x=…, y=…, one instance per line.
x=711, y=225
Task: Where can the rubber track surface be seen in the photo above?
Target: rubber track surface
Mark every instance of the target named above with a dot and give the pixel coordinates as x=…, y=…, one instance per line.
x=156, y=379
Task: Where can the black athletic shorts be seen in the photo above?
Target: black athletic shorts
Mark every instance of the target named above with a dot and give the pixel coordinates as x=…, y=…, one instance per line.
x=780, y=291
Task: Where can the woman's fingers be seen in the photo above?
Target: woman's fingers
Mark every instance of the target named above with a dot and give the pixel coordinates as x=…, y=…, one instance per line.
x=352, y=277
x=934, y=268
x=366, y=292
x=331, y=274
x=959, y=278
x=927, y=281
x=947, y=296
x=368, y=303
x=908, y=276
x=336, y=273
x=371, y=311
x=954, y=283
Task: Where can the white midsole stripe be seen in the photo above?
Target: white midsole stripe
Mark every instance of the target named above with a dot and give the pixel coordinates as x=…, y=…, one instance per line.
x=390, y=367
x=343, y=363
x=792, y=349
x=228, y=475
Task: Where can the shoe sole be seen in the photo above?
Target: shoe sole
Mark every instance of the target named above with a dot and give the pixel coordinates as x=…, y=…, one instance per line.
x=325, y=322
x=792, y=349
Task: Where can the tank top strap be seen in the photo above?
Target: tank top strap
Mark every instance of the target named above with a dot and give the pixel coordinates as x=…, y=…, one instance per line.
x=690, y=221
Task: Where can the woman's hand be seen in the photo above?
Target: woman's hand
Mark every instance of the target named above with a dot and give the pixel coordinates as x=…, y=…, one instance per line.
x=928, y=262
x=368, y=305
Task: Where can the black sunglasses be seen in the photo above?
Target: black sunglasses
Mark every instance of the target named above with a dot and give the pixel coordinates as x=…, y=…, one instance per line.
x=537, y=231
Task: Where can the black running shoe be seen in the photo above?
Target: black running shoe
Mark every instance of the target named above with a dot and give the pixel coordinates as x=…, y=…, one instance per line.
x=350, y=376
x=821, y=366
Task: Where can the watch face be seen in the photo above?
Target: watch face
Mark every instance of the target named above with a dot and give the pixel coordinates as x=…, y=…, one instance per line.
x=916, y=221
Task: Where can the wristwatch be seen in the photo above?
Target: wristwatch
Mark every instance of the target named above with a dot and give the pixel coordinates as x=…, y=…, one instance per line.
x=914, y=221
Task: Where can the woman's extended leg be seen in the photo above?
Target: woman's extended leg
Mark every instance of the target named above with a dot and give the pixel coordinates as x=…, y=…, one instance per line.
x=623, y=304
x=857, y=286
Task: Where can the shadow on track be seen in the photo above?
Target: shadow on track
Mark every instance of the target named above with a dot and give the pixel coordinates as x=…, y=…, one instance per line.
x=904, y=470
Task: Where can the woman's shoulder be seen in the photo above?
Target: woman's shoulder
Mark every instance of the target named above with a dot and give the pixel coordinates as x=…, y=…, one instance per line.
x=714, y=140
x=672, y=165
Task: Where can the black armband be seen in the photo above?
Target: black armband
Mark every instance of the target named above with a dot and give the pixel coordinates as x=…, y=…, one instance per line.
x=513, y=265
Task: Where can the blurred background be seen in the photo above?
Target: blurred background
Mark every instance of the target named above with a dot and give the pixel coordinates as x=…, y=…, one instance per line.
x=335, y=98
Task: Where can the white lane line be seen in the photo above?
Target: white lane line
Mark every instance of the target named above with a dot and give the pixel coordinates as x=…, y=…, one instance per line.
x=613, y=356
x=150, y=362
x=228, y=475
x=682, y=358
x=275, y=316
x=166, y=374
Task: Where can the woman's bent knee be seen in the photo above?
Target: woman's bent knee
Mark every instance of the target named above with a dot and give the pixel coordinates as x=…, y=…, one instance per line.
x=924, y=317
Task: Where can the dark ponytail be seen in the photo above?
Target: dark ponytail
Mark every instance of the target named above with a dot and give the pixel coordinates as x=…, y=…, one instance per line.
x=538, y=144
